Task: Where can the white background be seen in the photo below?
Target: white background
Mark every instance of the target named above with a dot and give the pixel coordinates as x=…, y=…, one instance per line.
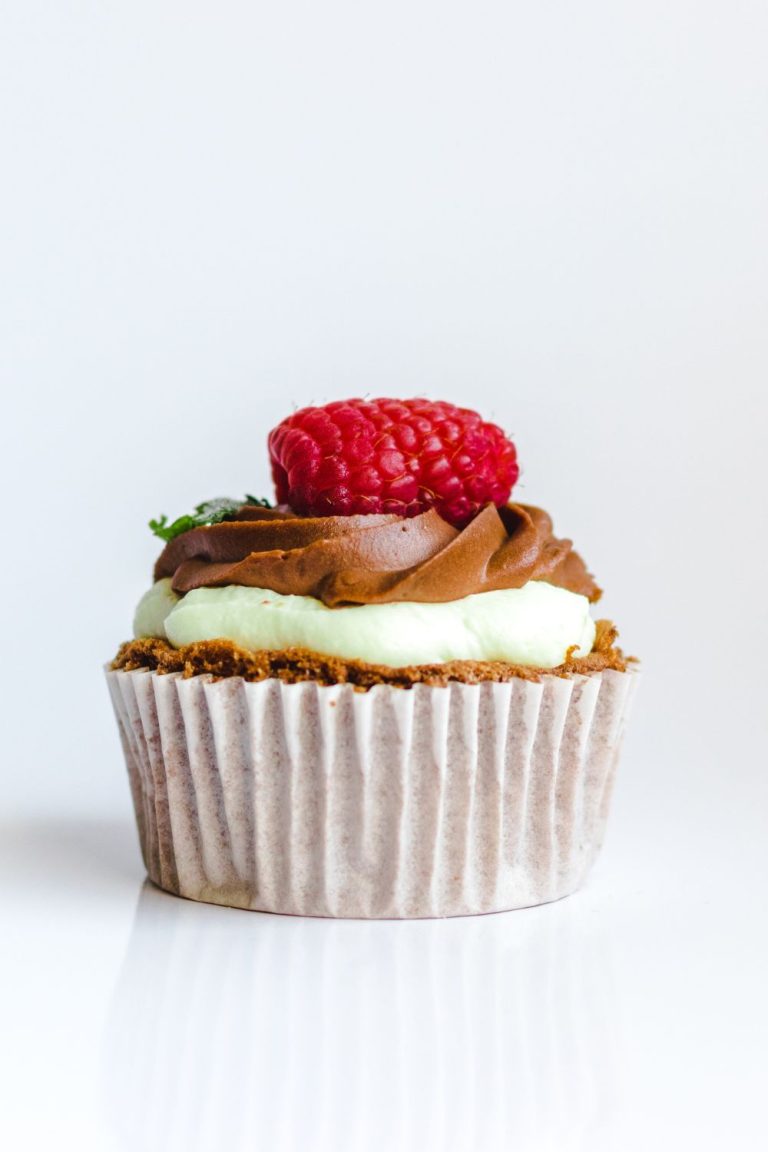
x=554, y=212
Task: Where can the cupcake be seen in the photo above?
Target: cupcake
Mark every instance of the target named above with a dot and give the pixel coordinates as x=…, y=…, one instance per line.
x=385, y=695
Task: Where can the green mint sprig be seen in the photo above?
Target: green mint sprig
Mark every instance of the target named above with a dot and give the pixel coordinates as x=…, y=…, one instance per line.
x=209, y=512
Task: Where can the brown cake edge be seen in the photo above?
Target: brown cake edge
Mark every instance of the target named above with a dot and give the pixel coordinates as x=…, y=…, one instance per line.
x=222, y=658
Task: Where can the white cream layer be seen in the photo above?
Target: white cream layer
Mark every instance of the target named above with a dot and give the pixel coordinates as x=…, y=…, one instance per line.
x=534, y=625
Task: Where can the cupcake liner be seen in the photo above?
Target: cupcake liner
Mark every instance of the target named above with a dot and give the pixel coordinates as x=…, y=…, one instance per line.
x=326, y=801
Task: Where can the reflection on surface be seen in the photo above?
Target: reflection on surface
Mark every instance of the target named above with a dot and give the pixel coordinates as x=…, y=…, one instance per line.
x=234, y=1030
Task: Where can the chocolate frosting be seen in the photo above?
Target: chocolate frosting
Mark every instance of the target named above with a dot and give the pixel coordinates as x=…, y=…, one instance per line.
x=376, y=559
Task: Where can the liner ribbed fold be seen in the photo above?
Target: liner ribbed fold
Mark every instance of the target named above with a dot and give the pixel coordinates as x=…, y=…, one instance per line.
x=326, y=801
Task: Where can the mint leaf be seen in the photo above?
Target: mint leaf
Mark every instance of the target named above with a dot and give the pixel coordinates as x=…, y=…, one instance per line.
x=209, y=512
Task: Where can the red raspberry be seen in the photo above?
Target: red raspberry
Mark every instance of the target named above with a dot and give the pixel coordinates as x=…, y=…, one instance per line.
x=401, y=456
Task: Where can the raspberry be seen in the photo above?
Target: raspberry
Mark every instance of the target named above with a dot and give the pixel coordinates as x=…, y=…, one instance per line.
x=396, y=456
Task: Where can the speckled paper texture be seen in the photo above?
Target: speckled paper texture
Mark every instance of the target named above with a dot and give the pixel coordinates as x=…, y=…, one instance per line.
x=324, y=801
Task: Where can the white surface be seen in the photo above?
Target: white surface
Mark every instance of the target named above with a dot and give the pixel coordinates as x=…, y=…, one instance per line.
x=556, y=211
x=630, y=1016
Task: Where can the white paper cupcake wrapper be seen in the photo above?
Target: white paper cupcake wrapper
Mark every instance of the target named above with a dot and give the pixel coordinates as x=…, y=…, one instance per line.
x=324, y=801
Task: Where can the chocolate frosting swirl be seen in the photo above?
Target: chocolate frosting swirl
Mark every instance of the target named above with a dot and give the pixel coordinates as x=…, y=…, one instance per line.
x=376, y=559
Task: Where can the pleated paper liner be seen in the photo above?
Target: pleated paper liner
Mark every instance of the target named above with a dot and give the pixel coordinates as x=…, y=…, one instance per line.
x=323, y=801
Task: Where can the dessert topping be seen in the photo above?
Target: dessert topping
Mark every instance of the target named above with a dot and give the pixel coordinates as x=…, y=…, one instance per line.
x=209, y=512
x=376, y=559
x=391, y=456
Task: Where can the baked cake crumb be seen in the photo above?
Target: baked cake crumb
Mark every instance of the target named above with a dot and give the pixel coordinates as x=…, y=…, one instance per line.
x=222, y=658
